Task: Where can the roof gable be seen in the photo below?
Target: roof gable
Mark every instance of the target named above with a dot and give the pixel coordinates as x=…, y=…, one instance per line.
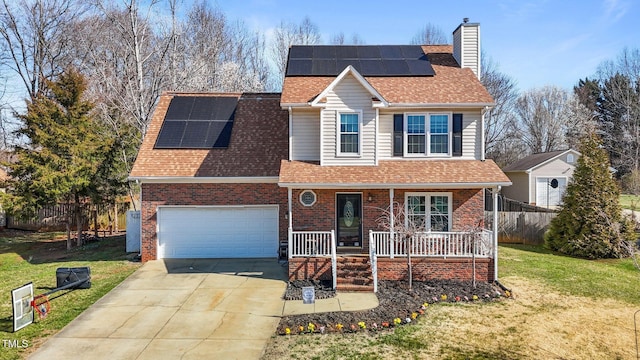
x=534, y=161
x=365, y=84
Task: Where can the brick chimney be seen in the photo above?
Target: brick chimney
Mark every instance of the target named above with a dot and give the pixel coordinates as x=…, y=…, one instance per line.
x=466, y=45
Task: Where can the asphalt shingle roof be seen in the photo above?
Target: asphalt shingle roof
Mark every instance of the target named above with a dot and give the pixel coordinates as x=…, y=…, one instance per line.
x=259, y=140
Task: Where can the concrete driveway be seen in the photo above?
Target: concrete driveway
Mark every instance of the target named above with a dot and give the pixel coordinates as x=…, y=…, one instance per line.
x=180, y=309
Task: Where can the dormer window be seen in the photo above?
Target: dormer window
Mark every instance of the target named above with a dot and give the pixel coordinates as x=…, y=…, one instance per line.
x=570, y=158
x=349, y=132
x=428, y=135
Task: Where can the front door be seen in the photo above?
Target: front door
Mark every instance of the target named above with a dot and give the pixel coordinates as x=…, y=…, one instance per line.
x=349, y=216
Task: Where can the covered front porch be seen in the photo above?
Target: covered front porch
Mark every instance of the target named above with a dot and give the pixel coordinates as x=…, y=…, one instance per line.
x=357, y=230
x=349, y=236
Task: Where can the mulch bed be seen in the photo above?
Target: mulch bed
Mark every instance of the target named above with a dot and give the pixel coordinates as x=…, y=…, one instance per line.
x=397, y=306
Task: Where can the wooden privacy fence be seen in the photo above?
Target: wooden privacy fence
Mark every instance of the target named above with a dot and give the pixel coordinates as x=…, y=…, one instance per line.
x=521, y=227
x=54, y=218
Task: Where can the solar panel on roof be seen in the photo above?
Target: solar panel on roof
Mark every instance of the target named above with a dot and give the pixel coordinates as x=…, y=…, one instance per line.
x=225, y=108
x=198, y=122
x=179, y=108
x=391, y=52
x=371, y=67
x=195, y=134
x=299, y=67
x=171, y=134
x=301, y=52
x=219, y=134
x=416, y=67
x=324, y=52
x=342, y=64
x=203, y=107
x=368, y=60
x=324, y=67
x=346, y=52
x=395, y=67
x=368, y=52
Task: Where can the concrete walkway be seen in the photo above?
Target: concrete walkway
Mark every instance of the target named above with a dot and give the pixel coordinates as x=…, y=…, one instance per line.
x=189, y=309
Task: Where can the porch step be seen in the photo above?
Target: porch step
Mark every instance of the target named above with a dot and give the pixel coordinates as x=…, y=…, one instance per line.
x=354, y=274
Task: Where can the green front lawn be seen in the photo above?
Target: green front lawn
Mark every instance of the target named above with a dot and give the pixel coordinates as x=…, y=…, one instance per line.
x=34, y=257
x=631, y=202
x=613, y=278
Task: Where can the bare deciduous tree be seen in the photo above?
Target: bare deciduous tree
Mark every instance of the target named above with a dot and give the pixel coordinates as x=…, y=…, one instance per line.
x=499, y=120
x=36, y=37
x=542, y=119
x=430, y=34
x=404, y=227
x=287, y=34
x=619, y=109
x=340, y=39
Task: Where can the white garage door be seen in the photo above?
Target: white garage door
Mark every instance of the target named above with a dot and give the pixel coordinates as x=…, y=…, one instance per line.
x=548, y=196
x=217, y=232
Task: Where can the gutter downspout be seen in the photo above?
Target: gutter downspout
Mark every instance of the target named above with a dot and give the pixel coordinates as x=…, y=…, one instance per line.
x=495, y=232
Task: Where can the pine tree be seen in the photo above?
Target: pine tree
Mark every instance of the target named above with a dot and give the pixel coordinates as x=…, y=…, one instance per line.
x=590, y=223
x=65, y=147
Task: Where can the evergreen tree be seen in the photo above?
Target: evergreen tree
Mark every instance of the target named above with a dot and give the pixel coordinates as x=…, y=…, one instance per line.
x=590, y=223
x=66, y=147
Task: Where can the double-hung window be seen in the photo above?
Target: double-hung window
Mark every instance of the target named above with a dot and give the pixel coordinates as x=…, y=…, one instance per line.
x=349, y=133
x=429, y=211
x=428, y=134
x=416, y=135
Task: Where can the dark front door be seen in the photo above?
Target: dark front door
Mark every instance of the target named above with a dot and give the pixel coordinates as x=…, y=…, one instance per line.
x=349, y=215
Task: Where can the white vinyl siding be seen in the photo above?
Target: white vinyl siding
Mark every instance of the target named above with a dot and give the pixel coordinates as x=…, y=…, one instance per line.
x=471, y=137
x=385, y=135
x=348, y=96
x=305, y=139
x=466, y=47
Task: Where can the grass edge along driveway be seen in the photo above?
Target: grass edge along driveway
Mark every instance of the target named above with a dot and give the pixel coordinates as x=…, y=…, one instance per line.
x=34, y=257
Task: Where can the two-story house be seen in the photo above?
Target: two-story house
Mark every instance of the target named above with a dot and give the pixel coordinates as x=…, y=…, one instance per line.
x=358, y=135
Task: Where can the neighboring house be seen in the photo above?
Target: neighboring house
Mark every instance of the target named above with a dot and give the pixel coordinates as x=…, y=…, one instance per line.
x=541, y=179
x=356, y=129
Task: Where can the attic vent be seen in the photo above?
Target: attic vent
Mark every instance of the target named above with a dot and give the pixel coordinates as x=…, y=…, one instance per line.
x=308, y=198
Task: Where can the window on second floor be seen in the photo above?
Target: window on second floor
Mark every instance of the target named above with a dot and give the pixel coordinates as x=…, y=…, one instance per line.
x=428, y=135
x=349, y=132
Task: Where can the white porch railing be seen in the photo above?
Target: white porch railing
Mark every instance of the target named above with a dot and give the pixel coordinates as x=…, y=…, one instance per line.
x=315, y=243
x=310, y=243
x=373, y=259
x=441, y=244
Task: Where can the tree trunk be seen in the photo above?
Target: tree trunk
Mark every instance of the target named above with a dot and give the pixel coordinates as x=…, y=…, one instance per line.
x=78, y=219
x=409, y=265
x=68, y=226
x=115, y=218
x=95, y=222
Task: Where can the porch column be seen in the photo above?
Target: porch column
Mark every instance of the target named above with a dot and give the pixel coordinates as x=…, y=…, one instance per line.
x=391, y=224
x=495, y=232
x=290, y=227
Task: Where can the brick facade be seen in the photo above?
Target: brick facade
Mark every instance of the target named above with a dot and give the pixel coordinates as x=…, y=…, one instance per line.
x=396, y=269
x=435, y=268
x=468, y=209
x=154, y=195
